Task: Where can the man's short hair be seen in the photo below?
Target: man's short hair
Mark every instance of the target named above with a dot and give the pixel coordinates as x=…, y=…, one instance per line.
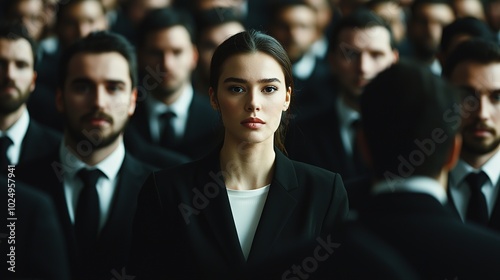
x=407, y=116
x=465, y=26
x=97, y=43
x=477, y=50
x=15, y=30
x=360, y=19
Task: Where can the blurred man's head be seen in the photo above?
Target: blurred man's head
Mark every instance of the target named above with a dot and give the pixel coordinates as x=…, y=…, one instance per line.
x=405, y=112
x=36, y=15
x=362, y=45
x=392, y=12
x=77, y=18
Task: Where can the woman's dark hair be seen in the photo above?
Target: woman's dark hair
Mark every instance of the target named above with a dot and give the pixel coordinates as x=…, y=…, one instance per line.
x=253, y=42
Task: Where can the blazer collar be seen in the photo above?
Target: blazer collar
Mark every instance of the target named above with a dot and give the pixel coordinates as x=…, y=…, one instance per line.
x=277, y=210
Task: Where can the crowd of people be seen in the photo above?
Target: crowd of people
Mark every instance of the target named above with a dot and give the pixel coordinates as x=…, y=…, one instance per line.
x=238, y=139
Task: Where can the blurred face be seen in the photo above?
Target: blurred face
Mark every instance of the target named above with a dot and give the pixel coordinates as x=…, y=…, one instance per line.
x=361, y=55
x=139, y=8
x=427, y=27
x=465, y=8
x=481, y=123
x=392, y=13
x=251, y=97
x=97, y=98
x=170, y=51
x=210, y=39
x=31, y=12
x=17, y=77
x=79, y=20
x=296, y=29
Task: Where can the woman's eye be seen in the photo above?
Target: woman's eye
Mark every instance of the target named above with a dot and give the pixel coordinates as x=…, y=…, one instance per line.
x=236, y=89
x=270, y=89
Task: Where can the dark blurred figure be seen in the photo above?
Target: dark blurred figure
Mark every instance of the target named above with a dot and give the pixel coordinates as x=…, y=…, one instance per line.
x=425, y=27
x=40, y=250
x=492, y=11
x=410, y=134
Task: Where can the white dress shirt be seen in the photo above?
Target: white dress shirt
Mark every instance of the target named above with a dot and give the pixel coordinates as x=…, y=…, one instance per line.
x=460, y=191
x=346, y=117
x=16, y=133
x=106, y=185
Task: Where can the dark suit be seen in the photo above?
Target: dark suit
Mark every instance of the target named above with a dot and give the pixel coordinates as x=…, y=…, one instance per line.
x=40, y=250
x=39, y=142
x=200, y=137
x=184, y=227
x=317, y=141
x=115, y=238
x=434, y=243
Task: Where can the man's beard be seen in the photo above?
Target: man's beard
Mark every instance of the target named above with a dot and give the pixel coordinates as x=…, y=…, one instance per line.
x=481, y=149
x=9, y=105
x=89, y=136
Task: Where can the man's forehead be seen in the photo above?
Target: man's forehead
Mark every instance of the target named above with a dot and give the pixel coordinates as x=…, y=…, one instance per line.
x=16, y=48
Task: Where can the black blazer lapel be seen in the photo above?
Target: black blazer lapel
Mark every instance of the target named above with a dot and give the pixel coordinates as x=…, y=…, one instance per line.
x=39, y=142
x=495, y=215
x=277, y=210
x=218, y=212
x=450, y=203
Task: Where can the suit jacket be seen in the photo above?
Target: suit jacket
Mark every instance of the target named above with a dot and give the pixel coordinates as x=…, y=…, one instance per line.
x=430, y=238
x=317, y=141
x=493, y=224
x=184, y=227
x=115, y=238
x=202, y=132
x=40, y=250
x=39, y=142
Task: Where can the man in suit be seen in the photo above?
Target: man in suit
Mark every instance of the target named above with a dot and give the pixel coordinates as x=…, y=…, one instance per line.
x=362, y=45
x=21, y=138
x=39, y=247
x=93, y=181
x=410, y=135
x=171, y=115
x=475, y=66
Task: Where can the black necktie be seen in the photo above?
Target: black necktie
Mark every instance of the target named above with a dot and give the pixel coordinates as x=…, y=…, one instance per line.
x=87, y=213
x=5, y=143
x=167, y=136
x=477, y=211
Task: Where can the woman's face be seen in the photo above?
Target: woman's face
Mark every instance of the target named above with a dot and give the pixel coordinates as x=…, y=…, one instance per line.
x=251, y=96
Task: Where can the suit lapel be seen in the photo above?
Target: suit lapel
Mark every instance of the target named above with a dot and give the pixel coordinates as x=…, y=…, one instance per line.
x=450, y=203
x=277, y=210
x=495, y=215
x=218, y=212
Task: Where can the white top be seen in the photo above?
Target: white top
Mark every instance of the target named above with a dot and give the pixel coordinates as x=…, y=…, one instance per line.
x=414, y=184
x=346, y=117
x=16, y=133
x=459, y=188
x=180, y=107
x=247, y=206
x=304, y=67
x=106, y=185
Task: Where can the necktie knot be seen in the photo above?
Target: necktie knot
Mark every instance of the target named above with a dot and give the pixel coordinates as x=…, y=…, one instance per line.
x=168, y=137
x=89, y=177
x=476, y=181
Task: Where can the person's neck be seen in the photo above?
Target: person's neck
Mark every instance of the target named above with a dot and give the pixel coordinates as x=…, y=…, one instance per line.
x=247, y=166
x=7, y=121
x=96, y=155
x=173, y=96
x=475, y=160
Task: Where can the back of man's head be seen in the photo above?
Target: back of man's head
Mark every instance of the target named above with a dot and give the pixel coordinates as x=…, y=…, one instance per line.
x=408, y=122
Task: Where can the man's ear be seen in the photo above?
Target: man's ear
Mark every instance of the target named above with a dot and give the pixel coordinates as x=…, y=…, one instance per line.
x=213, y=99
x=133, y=102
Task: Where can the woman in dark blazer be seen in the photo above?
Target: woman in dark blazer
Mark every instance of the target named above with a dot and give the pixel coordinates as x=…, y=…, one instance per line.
x=245, y=211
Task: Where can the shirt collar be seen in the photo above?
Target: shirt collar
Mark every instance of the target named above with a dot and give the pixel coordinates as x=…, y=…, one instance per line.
x=304, y=67
x=180, y=107
x=414, y=184
x=462, y=169
x=72, y=164
x=17, y=131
